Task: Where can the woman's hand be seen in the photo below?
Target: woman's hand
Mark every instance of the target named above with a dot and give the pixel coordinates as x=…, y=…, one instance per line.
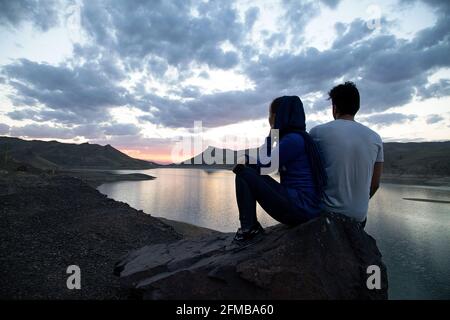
x=237, y=168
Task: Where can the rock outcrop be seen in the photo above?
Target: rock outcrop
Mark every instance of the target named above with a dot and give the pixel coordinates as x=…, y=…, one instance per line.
x=326, y=258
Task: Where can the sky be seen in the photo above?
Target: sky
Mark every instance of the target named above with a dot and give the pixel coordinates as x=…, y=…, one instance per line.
x=144, y=75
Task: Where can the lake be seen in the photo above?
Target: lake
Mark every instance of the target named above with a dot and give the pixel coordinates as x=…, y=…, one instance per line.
x=413, y=236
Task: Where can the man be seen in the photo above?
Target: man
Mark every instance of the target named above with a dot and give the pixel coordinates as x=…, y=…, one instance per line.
x=352, y=156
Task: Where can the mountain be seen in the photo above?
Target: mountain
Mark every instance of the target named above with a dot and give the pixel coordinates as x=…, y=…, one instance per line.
x=57, y=155
x=412, y=158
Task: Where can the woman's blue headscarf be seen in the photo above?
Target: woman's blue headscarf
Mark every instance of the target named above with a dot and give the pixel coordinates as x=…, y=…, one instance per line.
x=290, y=117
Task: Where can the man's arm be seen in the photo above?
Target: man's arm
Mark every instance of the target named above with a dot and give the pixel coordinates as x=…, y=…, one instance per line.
x=375, y=184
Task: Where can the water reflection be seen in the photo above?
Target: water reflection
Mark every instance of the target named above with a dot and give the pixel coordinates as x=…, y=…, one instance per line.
x=202, y=197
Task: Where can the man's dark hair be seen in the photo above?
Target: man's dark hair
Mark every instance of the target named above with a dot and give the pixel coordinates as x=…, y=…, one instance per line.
x=345, y=97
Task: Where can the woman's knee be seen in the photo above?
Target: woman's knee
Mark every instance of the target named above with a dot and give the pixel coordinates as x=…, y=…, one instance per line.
x=248, y=176
x=245, y=171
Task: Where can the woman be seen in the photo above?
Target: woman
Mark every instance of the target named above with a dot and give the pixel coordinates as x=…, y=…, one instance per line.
x=297, y=198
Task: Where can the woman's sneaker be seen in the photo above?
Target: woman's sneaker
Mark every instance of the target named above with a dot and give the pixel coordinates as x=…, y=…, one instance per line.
x=248, y=236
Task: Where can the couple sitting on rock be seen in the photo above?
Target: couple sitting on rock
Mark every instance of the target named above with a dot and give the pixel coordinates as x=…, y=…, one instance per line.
x=336, y=168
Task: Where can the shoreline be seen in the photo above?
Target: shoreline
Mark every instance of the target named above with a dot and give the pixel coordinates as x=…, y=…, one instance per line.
x=427, y=200
x=95, y=178
x=416, y=180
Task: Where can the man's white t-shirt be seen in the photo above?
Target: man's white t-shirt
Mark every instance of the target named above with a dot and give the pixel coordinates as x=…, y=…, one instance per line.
x=349, y=151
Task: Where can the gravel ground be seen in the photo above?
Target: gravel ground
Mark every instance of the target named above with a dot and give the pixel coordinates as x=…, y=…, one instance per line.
x=49, y=223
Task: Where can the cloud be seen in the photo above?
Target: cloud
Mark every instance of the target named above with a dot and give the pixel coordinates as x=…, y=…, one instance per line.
x=297, y=14
x=87, y=131
x=42, y=14
x=439, y=6
x=435, y=90
x=167, y=30
x=350, y=33
x=121, y=129
x=388, y=71
x=100, y=131
x=275, y=39
x=35, y=130
x=160, y=38
x=213, y=110
x=81, y=93
x=331, y=3
x=43, y=115
x=388, y=119
x=251, y=15
x=434, y=118
x=4, y=129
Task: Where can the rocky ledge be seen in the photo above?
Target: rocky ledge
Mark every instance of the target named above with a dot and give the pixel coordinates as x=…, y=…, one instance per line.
x=327, y=258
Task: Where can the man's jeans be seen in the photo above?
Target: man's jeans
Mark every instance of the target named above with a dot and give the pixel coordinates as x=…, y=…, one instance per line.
x=251, y=187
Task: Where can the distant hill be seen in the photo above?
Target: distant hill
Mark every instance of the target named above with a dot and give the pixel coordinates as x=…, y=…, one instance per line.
x=421, y=158
x=211, y=154
x=216, y=154
x=57, y=155
x=417, y=158
x=412, y=158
